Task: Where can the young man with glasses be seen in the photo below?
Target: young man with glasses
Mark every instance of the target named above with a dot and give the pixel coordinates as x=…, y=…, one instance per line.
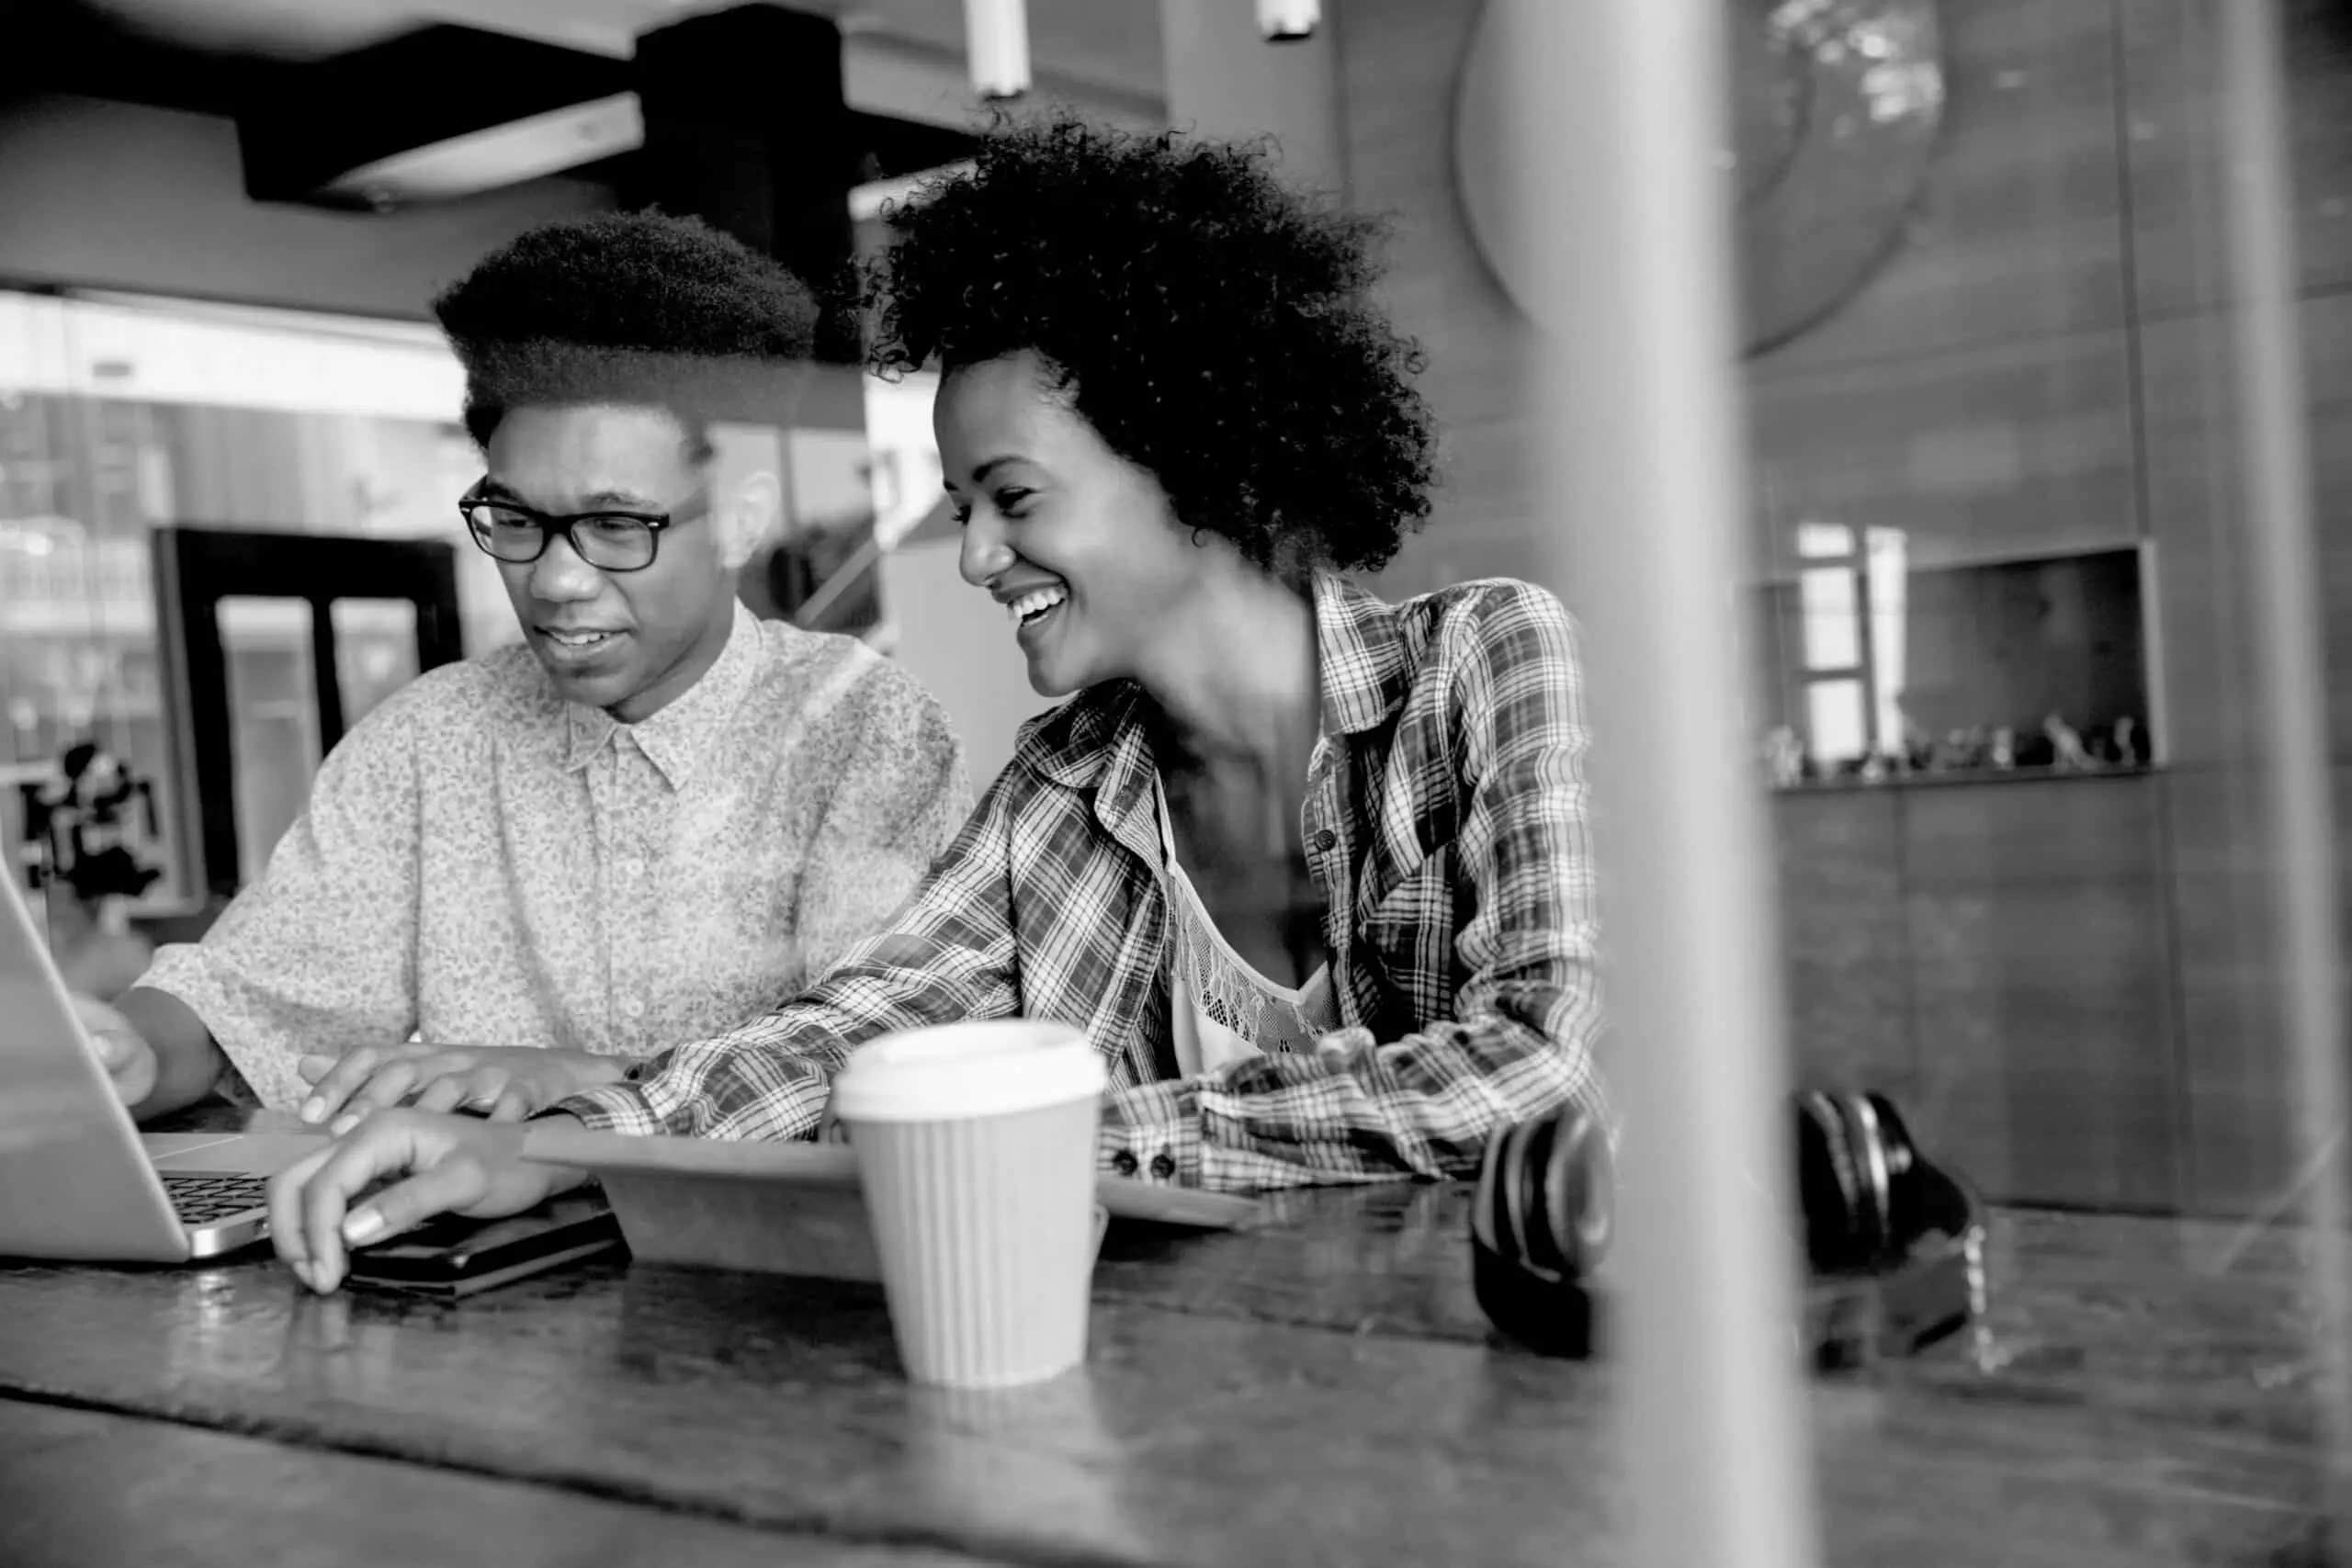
x=655, y=819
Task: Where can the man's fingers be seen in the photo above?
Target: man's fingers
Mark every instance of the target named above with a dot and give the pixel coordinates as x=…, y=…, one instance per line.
x=130, y=1064
x=329, y=1093
x=285, y=1210
x=484, y=1086
x=513, y=1105
x=456, y=1183
x=389, y=1086
x=115, y=1052
x=121, y=1050
x=97, y=1016
x=447, y=1093
x=314, y=1067
x=383, y=1145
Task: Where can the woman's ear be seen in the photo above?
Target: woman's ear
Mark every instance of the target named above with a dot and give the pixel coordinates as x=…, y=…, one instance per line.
x=751, y=517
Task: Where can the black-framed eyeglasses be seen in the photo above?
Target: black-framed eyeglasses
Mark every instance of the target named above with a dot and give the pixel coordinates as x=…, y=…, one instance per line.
x=609, y=541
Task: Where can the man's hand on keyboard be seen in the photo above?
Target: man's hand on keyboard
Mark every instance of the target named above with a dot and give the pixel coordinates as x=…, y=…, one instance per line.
x=505, y=1083
x=130, y=1063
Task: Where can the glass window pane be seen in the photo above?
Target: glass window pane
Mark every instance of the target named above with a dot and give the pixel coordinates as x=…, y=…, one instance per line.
x=1820, y=540
x=1890, y=599
x=273, y=719
x=375, y=652
x=1834, y=721
x=121, y=413
x=1832, y=639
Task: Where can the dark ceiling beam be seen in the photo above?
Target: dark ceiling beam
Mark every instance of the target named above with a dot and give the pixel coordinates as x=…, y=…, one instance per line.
x=747, y=126
x=66, y=46
x=747, y=122
x=432, y=87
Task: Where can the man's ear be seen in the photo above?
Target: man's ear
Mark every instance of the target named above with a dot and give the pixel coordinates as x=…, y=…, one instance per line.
x=750, y=517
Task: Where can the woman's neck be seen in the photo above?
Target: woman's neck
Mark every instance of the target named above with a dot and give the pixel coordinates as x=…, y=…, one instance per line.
x=1236, y=677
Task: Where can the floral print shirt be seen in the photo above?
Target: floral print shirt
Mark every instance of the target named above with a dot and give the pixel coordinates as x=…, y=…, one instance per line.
x=482, y=862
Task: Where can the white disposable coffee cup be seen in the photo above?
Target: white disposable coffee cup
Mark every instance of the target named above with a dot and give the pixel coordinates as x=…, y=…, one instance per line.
x=976, y=1146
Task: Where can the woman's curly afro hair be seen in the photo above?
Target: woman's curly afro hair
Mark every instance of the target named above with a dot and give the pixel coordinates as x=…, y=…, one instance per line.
x=631, y=308
x=1213, y=326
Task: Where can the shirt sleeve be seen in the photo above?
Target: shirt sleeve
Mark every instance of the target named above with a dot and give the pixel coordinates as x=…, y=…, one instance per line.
x=1525, y=1019
x=948, y=955
x=319, y=955
x=900, y=793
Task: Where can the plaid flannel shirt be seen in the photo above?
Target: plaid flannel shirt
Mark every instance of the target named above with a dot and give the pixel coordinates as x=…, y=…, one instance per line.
x=1445, y=824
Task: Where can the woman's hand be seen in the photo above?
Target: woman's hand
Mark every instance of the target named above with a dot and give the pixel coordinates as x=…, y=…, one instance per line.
x=505, y=1082
x=451, y=1164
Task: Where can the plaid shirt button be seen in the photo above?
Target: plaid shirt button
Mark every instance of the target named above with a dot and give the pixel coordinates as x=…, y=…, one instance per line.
x=1124, y=1162
x=1163, y=1166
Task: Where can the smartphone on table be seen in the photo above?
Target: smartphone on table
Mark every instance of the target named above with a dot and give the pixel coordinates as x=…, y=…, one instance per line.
x=452, y=1257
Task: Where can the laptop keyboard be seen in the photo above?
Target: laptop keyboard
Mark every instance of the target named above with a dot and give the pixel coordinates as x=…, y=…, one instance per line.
x=201, y=1200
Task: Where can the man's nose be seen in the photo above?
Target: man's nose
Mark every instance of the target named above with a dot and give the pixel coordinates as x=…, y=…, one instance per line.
x=559, y=576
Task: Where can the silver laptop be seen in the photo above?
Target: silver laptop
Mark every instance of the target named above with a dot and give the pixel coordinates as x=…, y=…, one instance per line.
x=77, y=1180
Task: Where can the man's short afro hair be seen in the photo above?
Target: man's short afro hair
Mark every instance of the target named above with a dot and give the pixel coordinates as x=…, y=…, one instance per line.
x=1214, y=326
x=633, y=308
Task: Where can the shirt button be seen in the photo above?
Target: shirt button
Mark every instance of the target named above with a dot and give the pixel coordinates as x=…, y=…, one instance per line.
x=1163, y=1166
x=1124, y=1162
x=633, y=1005
x=1325, y=838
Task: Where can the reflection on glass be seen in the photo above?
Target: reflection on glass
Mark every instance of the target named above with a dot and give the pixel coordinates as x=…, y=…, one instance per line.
x=273, y=720
x=1832, y=619
x=1886, y=576
x=119, y=415
x=375, y=652
x=1834, y=719
x=1823, y=539
x=2002, y=665
x=906, y=460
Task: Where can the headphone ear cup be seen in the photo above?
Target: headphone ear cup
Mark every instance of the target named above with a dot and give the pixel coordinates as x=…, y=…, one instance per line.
x=1534, y=1159
x=1580, y=1194
x=1486, y=1202
x=1512, y=1230
x=1906, y=1206
x=1873, y=1198
x=1827, y=1183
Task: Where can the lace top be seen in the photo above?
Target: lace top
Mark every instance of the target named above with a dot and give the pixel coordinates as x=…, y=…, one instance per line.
x=1224, y=1008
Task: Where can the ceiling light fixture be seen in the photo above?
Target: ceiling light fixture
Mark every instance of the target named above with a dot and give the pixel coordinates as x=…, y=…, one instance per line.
x=1288, y=21
x=996, y=35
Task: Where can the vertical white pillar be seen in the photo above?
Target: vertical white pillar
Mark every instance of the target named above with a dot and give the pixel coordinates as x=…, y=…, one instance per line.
x=2295, y=762
x=1616, y=114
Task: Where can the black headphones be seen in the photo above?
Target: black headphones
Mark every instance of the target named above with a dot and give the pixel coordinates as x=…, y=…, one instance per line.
x=1858, y=1181
x=1543, y=1212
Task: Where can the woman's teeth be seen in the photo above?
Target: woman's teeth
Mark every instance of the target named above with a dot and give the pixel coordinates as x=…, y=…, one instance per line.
x=1036, y=602
x=578, y=639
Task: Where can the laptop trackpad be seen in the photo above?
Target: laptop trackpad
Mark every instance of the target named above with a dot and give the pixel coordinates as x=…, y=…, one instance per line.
x=229, y=1153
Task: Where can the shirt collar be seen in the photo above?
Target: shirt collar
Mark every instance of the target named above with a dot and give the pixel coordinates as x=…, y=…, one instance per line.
x=1365, y=667
x=693, y=725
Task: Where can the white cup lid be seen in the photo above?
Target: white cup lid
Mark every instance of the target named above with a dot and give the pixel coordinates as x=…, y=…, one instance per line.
x=956, y=1070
